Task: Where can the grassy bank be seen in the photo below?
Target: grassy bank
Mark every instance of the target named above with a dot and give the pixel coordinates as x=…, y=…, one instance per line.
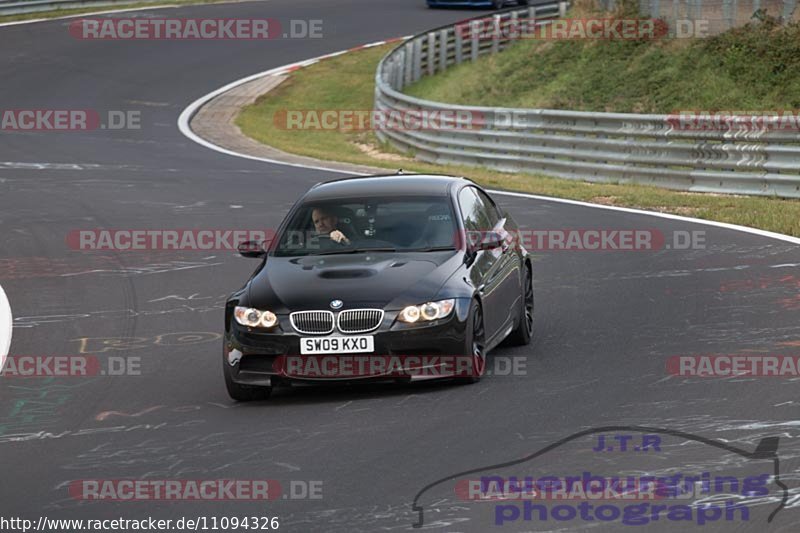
x=754, y=67
x=347, y=82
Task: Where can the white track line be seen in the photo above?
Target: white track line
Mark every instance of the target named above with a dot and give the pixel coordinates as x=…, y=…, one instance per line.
x=188, y=113
x=735, y=227
x=5, y=327
x=31, y=21
x=112, y=11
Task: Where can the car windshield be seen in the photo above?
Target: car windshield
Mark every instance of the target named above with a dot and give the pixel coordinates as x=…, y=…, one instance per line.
x=394, y=224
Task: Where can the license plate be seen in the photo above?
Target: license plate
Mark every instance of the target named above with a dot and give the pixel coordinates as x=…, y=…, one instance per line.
x=326, y=345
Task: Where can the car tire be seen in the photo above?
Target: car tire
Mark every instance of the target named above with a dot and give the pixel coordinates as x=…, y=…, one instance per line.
x=522, y=334
x=475, y=344
x=243, y=393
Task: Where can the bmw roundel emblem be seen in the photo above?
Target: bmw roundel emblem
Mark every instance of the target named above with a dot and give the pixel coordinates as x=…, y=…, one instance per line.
x=336, y=304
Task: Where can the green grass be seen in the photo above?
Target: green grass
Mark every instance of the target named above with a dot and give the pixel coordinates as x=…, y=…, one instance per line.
x=111, y=7
x=347, y=82
x=755, y=67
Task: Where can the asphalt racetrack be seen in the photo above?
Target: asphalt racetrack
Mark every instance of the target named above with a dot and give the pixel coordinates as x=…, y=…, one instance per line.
x=606, y=322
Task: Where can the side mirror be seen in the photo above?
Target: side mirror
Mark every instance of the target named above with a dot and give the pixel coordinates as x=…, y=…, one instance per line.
x=491, y=240
x=496, y=238
x=251, y=249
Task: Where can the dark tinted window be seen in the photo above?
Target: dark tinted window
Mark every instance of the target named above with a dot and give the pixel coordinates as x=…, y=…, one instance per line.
x=477, y=215
x=491, y=210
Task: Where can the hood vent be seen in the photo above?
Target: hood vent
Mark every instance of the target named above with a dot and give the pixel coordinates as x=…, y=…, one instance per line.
x=349, y=273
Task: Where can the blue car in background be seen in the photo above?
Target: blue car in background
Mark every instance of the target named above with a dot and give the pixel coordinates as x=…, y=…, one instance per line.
x=494, y=4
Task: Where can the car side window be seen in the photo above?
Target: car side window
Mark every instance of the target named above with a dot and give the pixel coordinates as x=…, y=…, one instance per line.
x=492, y=213
x=468, y=203
x=473, y=211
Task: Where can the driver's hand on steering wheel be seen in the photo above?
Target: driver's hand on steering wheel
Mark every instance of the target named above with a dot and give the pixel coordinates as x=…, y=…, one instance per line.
x=338, y=236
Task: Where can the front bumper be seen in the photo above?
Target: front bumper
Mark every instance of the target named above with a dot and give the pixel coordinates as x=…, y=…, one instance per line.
x=257, y=357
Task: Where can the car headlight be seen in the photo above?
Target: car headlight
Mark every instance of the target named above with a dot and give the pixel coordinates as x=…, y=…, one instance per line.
x=254, y=318
x=427, y=311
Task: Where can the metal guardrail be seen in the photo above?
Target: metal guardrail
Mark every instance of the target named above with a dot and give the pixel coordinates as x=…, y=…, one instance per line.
x=604, y=147
x=21, y=7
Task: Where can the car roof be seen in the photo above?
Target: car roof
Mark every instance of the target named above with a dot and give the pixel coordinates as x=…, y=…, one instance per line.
x=384, y=185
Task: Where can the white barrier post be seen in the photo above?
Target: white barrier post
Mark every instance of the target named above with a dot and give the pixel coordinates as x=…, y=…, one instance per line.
x=6, y=327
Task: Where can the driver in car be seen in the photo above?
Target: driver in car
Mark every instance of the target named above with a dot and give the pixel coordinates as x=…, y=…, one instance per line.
x=325, y=223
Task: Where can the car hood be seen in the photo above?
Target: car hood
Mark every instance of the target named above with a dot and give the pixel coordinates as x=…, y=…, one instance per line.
x=378, y=279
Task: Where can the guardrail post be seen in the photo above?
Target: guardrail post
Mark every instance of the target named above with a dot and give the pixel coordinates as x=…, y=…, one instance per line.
x=387, y=74
x=459, y=45
x=416, y=71
x=474, y=40
x=530, y=24
x=512, y=28
x=443, y=50
x=397, y=74
x=562, y=9
x=407, y=63
x=431, y=53
x=495, y=34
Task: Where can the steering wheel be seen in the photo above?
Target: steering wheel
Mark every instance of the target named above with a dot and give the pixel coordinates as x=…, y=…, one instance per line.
x=327, y=238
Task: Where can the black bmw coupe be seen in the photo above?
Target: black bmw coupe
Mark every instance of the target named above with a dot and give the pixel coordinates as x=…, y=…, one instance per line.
x=383, y=277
